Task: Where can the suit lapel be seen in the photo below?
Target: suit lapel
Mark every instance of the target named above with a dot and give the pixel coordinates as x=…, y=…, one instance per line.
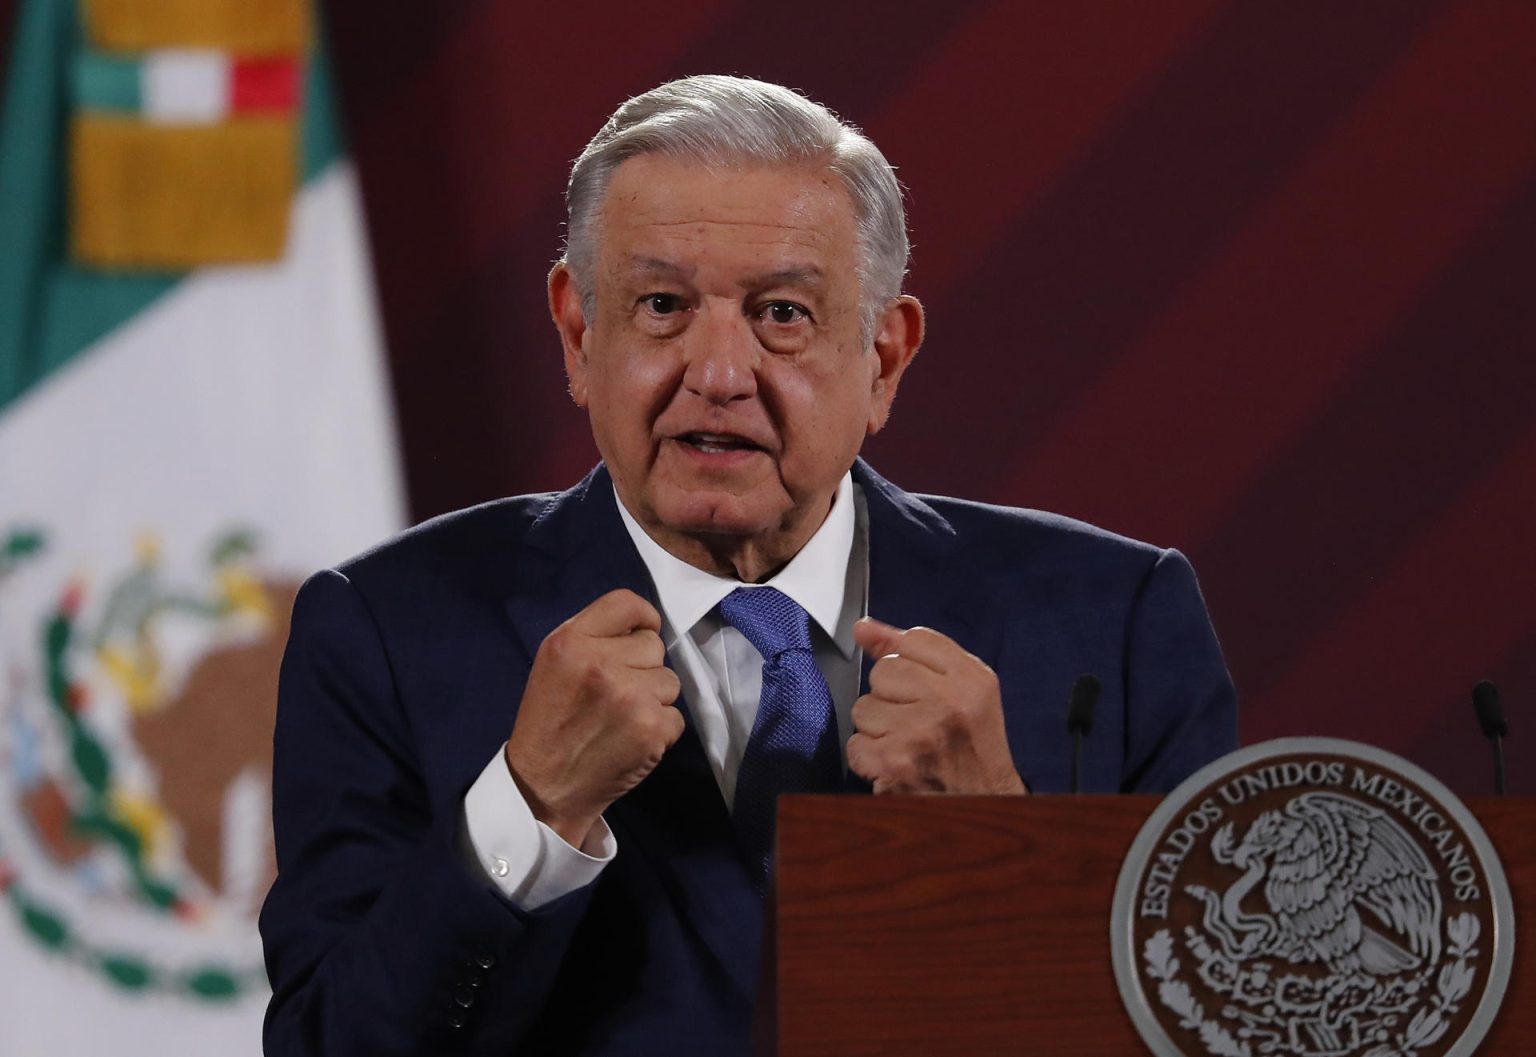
x=575, y=552
x=918, y=574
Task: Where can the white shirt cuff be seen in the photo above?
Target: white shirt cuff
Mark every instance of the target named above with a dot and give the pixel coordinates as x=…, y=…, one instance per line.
x=528, y=861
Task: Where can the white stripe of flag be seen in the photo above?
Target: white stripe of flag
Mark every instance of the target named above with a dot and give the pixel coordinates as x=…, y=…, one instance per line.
x=186, y=87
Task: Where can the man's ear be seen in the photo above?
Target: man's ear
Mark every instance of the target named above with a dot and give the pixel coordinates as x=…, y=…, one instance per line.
x=898, y=334
x=571, y=322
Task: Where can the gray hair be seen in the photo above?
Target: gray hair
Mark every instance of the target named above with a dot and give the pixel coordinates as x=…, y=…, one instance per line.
x=720, y=120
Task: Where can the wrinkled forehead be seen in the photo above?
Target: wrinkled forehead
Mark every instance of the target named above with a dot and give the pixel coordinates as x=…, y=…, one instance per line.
x=680, y=214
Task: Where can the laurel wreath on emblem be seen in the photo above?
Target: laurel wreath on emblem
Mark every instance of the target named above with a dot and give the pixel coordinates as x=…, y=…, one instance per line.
x=1424, y=1029
x=1388, y=991
x=105, y=815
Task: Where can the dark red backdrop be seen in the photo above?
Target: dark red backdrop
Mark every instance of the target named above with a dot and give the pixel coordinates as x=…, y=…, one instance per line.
x=1254, y=279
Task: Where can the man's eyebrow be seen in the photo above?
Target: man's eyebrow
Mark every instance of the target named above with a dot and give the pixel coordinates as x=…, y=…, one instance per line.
x=656, y=266
x=809, y=275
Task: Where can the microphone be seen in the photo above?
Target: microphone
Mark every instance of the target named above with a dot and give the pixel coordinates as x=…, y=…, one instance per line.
x=1085, y=696
x=1490, y=716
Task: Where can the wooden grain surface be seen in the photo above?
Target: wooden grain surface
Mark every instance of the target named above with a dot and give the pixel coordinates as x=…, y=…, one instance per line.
x=974, y=925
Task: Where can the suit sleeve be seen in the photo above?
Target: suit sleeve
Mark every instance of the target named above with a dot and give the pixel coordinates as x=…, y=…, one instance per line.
x=380, y=939
x=1181, y=708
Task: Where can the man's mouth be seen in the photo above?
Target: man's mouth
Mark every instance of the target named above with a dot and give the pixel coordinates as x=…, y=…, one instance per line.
x=714, y=443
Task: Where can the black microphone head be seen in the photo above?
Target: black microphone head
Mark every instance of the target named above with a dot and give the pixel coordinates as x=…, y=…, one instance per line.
x=1490, y=714
x=1085, y=698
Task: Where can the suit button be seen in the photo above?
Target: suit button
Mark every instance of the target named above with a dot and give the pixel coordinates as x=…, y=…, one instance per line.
x=472, y=977
x=485, y=959
x=464, y=996
x=457, y=1018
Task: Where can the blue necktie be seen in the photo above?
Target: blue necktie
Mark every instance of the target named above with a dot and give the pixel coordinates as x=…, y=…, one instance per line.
x=793, y=747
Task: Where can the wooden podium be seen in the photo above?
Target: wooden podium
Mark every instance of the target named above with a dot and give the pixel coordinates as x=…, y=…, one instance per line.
x=980, y=925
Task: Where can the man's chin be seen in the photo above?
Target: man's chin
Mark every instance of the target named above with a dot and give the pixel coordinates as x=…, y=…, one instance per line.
x=716, y=515
x=718, y=524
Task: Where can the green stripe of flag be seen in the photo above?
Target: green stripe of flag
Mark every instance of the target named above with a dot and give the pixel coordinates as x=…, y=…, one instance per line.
x=107, y=82
x=321, y=140
x=51, y=310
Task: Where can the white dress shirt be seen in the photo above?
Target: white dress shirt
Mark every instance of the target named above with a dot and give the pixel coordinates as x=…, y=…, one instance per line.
x=721, y=675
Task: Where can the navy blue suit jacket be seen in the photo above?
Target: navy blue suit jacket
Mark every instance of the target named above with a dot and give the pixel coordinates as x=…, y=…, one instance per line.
x=402, y=677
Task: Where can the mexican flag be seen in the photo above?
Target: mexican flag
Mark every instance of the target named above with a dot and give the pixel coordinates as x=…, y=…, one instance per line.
x=193, y=415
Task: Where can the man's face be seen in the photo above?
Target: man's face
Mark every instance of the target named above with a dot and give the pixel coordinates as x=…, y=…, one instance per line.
x=723, y=370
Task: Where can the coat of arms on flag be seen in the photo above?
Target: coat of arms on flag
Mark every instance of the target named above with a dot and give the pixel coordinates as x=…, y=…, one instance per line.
x=136, y=748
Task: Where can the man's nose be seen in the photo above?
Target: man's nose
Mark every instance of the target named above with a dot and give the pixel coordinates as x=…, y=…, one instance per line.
x=721, y=354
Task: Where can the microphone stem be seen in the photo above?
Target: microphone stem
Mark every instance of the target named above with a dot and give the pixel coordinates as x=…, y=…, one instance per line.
x=1498, y=765
x=1077, y=760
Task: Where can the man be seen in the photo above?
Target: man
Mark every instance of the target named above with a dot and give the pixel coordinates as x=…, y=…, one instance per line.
x=527, y=753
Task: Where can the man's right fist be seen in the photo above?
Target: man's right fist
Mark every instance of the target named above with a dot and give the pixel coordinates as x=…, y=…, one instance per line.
x=597, y=714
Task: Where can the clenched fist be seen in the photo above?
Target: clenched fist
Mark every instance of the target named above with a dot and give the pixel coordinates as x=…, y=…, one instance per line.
x=596, y=716
x=932, y=721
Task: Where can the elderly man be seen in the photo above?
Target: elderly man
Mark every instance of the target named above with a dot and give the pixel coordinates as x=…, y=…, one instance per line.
x=527, y=754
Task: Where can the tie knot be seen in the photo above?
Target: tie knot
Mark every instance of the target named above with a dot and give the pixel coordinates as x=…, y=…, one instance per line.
x=771, y=620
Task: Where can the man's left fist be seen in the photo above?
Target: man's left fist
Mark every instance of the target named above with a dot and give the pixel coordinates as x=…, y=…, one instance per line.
x=932, y=721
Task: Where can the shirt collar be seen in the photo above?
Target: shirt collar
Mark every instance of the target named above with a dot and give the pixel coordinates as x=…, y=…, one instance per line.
x=816, y=578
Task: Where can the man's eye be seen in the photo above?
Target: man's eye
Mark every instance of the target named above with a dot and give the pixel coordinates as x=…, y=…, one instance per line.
x=784, y=312
x=662, y=304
